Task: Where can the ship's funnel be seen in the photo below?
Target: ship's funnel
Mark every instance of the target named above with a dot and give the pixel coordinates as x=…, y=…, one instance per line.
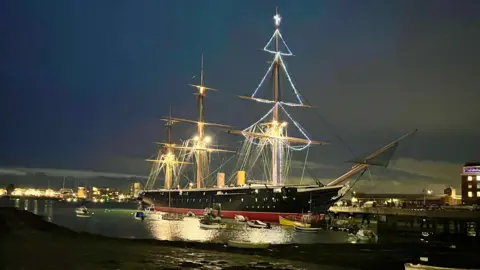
x=220, y=180
x=240, y=178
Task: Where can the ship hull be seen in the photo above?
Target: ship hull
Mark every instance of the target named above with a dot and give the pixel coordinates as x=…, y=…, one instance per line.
x=255, y=203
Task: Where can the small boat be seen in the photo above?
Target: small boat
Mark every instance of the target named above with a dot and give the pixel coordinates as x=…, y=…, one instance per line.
x=292, y=221
x=209, y=226
x=258, y=224
x=305, y=229
x=151, y=213
x=140, y=215
x=244, y=244
x=151, y=210
x=240, y=218
x=411, y=266
x=209, y=218
x=363, y=235
x=82, y=211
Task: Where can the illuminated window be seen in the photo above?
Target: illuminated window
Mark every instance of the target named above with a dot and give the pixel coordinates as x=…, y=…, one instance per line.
x=469, y=186
x=470, y=195
x=478, y=194
x=471, y=229
x=478, y=186
x=478, y=177
x=470, y=178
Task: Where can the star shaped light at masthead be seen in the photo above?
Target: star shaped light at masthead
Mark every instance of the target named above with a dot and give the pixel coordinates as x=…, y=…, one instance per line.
x=277, y=19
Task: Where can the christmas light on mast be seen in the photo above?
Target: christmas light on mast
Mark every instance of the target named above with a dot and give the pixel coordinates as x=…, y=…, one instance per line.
x=166, y=159
x=274, y=132
x=201, y=142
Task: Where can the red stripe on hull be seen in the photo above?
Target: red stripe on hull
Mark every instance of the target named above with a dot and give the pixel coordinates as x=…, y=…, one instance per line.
x=264, y=216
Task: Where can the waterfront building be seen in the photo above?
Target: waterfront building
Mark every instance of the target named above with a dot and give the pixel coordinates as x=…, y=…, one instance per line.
x=470, y=183
x=135, y=189
x=82, y=193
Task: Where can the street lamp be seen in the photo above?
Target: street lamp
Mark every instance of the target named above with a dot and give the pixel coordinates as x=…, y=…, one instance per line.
x=425, y=192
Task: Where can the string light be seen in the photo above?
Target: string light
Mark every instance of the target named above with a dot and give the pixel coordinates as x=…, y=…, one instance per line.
x=264, y=77
x=299, y=97
x=300, y=128
x=289, y=53
x=278, y=56
x=264, y=131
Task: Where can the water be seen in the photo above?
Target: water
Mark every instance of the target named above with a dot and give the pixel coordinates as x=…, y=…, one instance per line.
x=120, y=222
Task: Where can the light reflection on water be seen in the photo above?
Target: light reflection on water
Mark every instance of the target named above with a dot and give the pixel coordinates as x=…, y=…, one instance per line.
x=121, y=223
x=189, y=230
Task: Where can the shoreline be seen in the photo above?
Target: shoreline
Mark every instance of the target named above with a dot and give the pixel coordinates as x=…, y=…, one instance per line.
x=21, y=230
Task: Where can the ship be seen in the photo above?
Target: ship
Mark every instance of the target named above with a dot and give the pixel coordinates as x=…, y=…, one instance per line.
x=268, y=200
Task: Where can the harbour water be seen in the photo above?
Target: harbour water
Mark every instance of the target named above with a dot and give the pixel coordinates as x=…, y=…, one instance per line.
x=117, y=220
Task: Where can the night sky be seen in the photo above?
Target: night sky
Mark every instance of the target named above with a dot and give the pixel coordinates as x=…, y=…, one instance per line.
x=84, y=83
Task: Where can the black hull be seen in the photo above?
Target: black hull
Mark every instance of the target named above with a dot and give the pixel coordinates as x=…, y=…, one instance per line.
x=263, y=202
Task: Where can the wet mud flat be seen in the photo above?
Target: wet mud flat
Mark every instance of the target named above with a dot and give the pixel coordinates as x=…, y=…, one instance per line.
x=29, y=242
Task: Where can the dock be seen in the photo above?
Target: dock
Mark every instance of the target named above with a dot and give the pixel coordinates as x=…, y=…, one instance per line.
x=392, y=220
x=393, y=211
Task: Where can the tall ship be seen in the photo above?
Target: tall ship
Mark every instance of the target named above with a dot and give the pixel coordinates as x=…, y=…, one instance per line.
x=266, y=142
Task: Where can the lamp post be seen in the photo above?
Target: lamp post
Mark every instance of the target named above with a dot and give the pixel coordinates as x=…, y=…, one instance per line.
x=425, y=192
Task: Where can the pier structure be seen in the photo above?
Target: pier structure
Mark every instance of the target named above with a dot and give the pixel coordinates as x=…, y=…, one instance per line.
x=453, y=221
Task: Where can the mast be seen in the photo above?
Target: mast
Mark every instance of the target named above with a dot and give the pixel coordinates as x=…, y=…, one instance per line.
x=200, y=130
x=276, y=98
x=273, y=132
x=170, y=156
x=166, y=158
x=201, y=141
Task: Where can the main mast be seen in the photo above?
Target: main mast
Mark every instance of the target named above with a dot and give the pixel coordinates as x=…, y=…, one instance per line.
x=276, y=128
x=273, y=132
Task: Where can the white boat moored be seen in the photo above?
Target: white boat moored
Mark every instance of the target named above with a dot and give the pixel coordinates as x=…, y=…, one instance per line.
x=82, y=211
x=244, y=244
x=239, y=218
x=306, y=229
x=411, y=266
x=213, y=226
x=258, y=224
